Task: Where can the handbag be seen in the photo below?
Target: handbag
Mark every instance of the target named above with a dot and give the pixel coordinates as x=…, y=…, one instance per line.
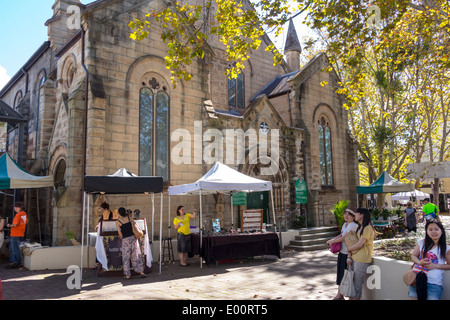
x=336, y=247
x=347, y=287
x=351, y=238
x=409, y=278
x=138, y=233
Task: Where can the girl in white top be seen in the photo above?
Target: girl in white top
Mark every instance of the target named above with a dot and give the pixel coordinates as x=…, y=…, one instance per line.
x=435, y=258
x=349, y=224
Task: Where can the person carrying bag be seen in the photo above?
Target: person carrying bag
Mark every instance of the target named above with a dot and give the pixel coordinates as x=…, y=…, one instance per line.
x=431, y=257
x=347, y=287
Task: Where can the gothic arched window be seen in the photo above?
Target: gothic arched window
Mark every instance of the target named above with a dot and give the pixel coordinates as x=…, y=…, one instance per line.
x=154, y=131
x=326, y=159
x=38, y=110
x=236, y=92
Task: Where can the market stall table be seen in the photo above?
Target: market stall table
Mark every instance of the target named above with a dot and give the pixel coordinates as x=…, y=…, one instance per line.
x=235, y=246
x=109, y=249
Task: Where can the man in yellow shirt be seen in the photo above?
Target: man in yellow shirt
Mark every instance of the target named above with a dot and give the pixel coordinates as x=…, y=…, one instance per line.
x=182, y=225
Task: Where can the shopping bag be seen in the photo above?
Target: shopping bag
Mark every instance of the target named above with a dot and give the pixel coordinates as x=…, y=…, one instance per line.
x=347, y=287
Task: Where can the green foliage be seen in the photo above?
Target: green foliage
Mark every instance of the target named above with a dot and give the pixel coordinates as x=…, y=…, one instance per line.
x=375, y=213
x=70, y=234
x=385, y=213
x=338, y=211
x=394, y=73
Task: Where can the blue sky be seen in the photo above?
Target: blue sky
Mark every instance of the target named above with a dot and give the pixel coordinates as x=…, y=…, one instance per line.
x=22, y=32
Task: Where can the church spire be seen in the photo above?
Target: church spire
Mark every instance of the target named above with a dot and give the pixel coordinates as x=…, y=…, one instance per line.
x=292, y=48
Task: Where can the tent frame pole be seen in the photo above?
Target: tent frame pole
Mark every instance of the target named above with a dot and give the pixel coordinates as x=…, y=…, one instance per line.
x=38, y=215
x=82, y=234
x=201, y=229
x=87, y=229
x=273, y=210
x=168, y=217
x=232, y=212
x=160, y=234
x=153, y=218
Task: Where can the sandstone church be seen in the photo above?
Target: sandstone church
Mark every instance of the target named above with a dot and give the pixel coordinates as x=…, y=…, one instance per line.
x=92, y=100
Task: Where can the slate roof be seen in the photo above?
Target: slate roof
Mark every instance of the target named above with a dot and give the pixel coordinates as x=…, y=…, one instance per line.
x=278, y=86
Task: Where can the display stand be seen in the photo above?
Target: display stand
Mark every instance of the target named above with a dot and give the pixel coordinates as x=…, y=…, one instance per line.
x=251, y=220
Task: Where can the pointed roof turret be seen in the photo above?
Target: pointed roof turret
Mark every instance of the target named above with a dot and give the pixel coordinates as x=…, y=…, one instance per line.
x=292, y=42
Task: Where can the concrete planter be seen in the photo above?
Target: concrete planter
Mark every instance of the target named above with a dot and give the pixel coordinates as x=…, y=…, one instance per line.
x=391, y=281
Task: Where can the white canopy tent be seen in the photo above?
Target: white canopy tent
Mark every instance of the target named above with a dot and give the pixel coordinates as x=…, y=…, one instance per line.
x=221, y=178
x=419, y=195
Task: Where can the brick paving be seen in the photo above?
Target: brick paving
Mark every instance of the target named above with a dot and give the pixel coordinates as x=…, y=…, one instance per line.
x=297, y=275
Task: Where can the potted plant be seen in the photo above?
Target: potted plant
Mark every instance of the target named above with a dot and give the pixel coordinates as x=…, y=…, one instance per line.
x=375, y=214
x=385, y=214
x=338, y=211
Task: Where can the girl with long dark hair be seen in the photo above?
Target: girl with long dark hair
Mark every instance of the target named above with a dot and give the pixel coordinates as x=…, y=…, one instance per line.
x=349, y=225
x=433, y=254
x=360, y=254
x=130, y=245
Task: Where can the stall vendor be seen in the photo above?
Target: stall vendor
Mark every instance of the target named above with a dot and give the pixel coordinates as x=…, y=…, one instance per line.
x=106, y=214
x=181, y=223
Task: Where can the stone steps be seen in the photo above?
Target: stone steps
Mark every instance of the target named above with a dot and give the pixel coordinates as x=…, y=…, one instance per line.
x=311, y=239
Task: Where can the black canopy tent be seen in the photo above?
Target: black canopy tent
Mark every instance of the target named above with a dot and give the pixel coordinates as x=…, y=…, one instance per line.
x=123, y=185
x=121, y=182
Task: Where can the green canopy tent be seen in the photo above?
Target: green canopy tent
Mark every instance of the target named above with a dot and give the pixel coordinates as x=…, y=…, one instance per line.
x=12, y=176
x=385, y=184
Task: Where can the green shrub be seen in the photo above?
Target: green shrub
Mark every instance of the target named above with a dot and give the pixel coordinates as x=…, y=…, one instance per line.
x=338, y=211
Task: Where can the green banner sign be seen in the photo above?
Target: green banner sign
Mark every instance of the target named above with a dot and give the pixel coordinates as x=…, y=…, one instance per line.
x=301, y=195
x=240, y=199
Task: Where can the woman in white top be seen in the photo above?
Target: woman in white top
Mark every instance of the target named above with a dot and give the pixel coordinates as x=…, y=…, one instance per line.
x=433, y=254
x=349, y=224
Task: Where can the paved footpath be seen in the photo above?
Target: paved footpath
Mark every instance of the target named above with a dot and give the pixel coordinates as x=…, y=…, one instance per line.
x=296, y=276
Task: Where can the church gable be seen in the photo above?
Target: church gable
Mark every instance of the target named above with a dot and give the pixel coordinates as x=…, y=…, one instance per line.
x=262, y=110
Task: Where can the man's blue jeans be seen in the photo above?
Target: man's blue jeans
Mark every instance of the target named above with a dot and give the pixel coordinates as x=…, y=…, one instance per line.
x=14, y=250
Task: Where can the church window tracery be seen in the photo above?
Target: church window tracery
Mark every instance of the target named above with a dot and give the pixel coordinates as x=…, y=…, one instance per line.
x=154, y=130
x=325, y=150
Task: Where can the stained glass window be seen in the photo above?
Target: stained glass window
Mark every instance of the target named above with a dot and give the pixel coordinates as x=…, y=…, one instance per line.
x=236, y=92
x=146, y=133
x=325, y=150
x=154, y=132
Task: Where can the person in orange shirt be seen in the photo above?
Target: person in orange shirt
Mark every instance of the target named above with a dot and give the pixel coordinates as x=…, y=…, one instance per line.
x=17, y=232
